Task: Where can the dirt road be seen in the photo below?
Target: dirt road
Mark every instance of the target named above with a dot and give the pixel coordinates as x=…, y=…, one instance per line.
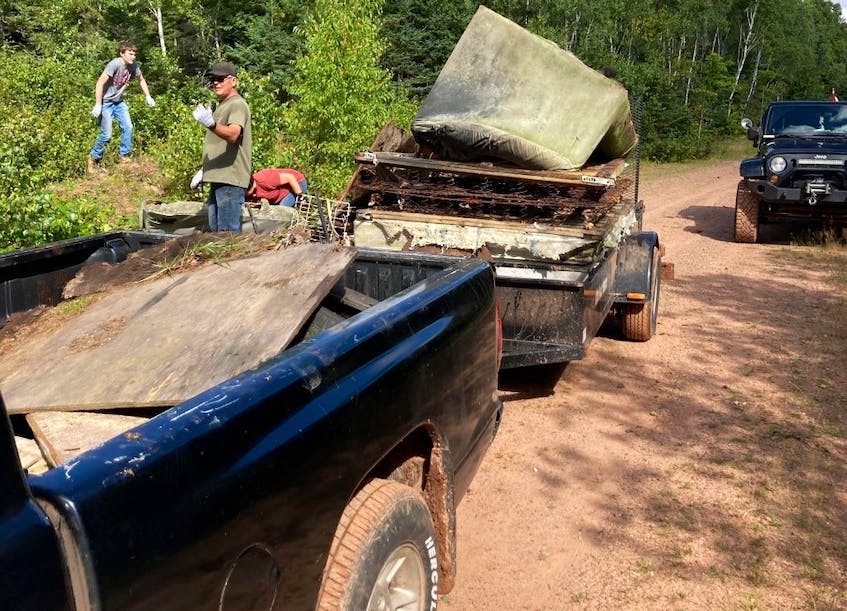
x=706, y=468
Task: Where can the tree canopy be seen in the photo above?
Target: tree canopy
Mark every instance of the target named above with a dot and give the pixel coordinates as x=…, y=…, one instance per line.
x=321, y=76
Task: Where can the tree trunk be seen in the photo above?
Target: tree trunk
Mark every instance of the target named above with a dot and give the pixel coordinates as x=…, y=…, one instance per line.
x=690, y=73
x=156, y=9
x=750, y=42
x=754, y=78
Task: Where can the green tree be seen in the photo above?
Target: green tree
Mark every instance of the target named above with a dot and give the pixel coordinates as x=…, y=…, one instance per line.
x=420, y=36
x=341, y=97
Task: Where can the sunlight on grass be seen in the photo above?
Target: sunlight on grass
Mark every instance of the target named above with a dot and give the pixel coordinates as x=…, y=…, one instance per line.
x=72, y=307
x=727, y=150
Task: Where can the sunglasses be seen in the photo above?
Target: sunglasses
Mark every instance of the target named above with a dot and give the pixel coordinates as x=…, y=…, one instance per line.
x=219, y=79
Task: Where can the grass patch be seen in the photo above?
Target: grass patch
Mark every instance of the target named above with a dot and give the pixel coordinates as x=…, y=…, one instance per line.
x=730, y=149
x=122, y=189
x=199, y=252
x=72, y=307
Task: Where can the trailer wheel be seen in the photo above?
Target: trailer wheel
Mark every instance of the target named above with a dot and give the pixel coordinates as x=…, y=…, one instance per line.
x=746, y=227
x=638, y=320
x=383, y=555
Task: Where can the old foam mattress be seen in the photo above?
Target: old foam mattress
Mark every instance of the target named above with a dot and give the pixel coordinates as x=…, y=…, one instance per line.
x=508, y=94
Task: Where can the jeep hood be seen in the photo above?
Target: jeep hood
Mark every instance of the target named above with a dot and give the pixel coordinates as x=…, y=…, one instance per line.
x=811, y=145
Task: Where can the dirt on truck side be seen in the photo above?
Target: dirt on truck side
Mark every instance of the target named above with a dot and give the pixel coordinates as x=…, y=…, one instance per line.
x=705, y=469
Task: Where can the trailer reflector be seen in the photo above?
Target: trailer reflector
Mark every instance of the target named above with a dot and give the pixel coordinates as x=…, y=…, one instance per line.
x=636, y=296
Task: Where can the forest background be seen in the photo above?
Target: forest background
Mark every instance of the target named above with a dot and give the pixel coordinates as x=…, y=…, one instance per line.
x=323, y=76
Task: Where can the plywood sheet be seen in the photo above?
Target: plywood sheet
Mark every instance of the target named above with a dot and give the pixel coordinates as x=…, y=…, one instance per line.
x=63, y=435
x=161, y=342
x=30, y=455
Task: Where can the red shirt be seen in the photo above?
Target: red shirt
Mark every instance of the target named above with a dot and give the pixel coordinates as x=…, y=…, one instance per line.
x=268, y=187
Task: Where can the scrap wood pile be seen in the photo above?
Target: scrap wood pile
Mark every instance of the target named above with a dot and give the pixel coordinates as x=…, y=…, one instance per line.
x=508, y=132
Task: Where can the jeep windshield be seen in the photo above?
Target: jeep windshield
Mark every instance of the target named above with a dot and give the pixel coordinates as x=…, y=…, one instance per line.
x=806, y=120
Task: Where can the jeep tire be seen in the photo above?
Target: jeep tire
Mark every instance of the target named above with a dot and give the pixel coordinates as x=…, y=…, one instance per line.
x=383, y=555
x=746, y=227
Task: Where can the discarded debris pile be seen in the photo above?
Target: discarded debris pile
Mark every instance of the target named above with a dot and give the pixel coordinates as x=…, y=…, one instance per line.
x=505, y=93
x=447, y=190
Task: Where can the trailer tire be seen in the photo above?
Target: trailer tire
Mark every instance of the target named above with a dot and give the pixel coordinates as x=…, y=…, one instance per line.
x=747, y=204
x=383, y=555
x=638, y=320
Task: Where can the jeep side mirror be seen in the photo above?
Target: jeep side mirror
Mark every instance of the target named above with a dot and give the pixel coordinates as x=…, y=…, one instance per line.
x=752, y=131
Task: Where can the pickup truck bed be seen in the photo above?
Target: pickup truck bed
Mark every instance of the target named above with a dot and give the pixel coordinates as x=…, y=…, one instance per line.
x=232, y=499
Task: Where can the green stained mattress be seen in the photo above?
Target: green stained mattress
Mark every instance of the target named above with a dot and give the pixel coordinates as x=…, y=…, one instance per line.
x=508, y=94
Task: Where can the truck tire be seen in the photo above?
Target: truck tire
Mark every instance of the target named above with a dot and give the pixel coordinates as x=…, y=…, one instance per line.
x=638, y=320
x=383, y=555
x=746, y=227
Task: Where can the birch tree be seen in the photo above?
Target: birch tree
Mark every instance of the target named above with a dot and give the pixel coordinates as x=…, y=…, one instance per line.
x=749, y=40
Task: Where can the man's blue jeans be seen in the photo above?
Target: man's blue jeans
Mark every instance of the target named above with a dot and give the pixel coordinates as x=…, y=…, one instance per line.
x=289, y=199
x=120, y=111
x=225, y=202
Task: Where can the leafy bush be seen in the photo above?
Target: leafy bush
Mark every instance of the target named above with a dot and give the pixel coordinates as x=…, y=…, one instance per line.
x=31, y=215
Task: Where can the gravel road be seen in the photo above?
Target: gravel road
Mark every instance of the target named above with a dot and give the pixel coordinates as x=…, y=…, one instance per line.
x=702, y=469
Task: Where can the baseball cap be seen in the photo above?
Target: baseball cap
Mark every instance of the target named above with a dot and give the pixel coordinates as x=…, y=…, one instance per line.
x=222, y=69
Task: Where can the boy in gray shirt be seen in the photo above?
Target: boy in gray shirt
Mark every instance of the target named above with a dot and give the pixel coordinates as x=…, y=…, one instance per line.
x=109, y=103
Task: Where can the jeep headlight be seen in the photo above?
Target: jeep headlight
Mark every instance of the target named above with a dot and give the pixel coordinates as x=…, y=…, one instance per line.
x=777, y=164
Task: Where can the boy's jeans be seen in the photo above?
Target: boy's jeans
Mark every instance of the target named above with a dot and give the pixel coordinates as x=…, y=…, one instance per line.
x=120, y=111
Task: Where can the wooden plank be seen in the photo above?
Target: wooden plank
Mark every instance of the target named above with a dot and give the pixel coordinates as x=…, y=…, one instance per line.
x=613, y=169
x=32, y=460
x=390, y=215
x=64, y=435
x=597, y=232
x=161, y=342
x=601, y=176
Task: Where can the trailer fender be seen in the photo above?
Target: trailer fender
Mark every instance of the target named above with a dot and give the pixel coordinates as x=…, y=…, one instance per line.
x=635, y=269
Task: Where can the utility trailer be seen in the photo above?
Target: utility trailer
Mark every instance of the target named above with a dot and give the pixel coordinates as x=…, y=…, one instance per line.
x=524, y=156
x=566, y=245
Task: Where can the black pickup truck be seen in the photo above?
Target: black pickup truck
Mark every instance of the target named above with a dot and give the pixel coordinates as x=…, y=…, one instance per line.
x=327, y=477
x=800, y=169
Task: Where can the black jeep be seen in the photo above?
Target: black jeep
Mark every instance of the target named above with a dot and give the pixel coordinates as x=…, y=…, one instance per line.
x=799, y=172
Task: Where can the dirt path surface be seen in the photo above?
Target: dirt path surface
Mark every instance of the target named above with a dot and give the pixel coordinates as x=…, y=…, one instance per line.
x=706, y=468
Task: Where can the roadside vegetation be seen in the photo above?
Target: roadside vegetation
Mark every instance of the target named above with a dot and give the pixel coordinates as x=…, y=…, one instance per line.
x=322, y=77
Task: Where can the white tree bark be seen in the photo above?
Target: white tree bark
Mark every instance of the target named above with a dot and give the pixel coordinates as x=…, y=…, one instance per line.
x=156, y=10
x=750, y=41
x=754, y=78
x=690, y=73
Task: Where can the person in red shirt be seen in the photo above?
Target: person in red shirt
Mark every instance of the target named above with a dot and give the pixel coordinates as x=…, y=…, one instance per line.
x=277, y=185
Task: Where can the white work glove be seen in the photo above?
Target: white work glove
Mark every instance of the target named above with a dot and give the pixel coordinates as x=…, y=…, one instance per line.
x=95, y=112
x=197, y=179
x=203, y=114
x=150, y=101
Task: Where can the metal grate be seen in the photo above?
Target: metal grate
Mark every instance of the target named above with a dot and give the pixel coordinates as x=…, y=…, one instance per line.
x=326, y=220
x=636, y=109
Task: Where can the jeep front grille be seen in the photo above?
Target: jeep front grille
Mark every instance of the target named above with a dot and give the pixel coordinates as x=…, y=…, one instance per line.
x=820, y=163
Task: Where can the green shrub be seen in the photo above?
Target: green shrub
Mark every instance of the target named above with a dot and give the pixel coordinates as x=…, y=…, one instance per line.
x=31, y=215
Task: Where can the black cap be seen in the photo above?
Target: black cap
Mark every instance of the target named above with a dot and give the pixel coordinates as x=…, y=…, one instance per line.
x=222, y=69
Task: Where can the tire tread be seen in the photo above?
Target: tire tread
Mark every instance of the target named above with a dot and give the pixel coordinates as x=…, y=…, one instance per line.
x=361, y=516
x=746, y=226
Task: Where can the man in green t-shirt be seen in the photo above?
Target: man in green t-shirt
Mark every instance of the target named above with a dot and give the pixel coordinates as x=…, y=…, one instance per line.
x=227, y=149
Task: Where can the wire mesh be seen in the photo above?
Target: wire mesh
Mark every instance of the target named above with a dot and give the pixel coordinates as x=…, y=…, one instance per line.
x=636, y=108
x=326, y=220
